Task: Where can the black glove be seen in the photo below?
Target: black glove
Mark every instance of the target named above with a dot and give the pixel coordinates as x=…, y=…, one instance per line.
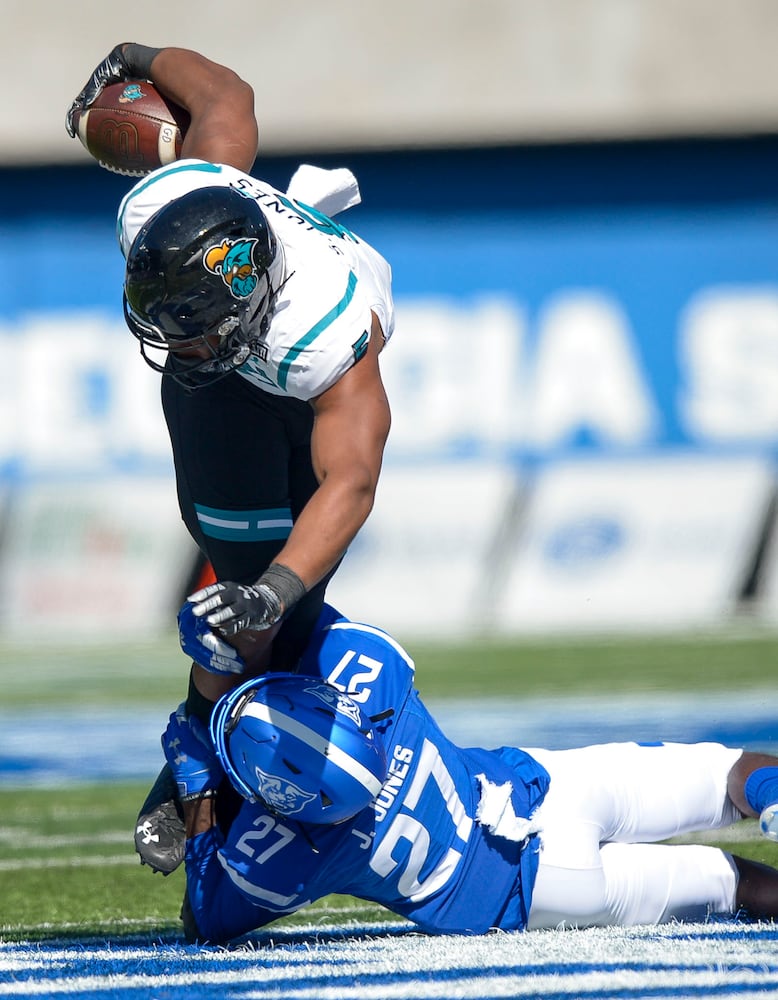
x=231, y=607
x=113, y=69
x=128, y=61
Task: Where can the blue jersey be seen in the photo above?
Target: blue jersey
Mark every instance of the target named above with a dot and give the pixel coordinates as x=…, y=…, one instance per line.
x=448, y=842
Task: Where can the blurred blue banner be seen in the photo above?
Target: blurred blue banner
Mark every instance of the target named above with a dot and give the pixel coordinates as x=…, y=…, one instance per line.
x=591, y=332
x=524, y=332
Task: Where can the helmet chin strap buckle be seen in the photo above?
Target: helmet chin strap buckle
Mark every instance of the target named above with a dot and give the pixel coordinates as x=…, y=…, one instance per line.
x=240, y=356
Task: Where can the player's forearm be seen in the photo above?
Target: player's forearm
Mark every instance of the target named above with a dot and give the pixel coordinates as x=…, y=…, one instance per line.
x=327, y=526
x=219, y=910
x=349, y=434
x=199, y=815
x=223, y=126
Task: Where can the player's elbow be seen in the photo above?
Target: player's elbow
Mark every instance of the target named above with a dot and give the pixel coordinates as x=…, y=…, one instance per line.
x=363, y=483
x=221, y=86
x=243, y=95
x=352, y=493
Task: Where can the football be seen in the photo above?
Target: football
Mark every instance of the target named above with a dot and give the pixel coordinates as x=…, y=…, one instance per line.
x=132, y=129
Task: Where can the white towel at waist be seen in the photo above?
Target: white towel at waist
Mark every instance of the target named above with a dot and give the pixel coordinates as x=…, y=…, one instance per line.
x=328, y=191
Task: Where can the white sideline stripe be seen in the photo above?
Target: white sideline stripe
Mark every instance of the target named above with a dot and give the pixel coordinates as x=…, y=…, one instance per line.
x=268, y=982
x=312, y=739
x=93, y=861
x=66, y=925
x=518, y=985
x=23, y=838
x=717, y=961
x=55, y=952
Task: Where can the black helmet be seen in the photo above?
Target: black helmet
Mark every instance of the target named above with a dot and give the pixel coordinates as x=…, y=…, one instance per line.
x=203, y=270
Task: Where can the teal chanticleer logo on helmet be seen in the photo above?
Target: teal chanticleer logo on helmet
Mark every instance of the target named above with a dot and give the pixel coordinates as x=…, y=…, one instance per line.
x=233, y=260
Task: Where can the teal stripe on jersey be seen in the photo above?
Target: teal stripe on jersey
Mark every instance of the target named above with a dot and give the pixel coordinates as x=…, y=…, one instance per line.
x=307, y=339
x=207, y=168
x=244, y=525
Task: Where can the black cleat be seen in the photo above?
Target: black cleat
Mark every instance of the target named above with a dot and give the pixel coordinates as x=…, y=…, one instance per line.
x=160, y=836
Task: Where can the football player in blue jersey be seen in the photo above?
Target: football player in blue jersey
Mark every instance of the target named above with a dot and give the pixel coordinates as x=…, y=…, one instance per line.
x=349, y=786
x=265, y=318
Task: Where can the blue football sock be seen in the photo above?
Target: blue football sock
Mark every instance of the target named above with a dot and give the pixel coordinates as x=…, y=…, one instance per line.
x=761, y=788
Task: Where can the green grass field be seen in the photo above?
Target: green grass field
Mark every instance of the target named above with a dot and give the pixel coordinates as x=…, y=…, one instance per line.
x=67, y=866
x=155, y=672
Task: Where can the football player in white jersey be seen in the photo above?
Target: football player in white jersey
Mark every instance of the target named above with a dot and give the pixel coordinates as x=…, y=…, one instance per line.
x=266, y=319
x=350, y=786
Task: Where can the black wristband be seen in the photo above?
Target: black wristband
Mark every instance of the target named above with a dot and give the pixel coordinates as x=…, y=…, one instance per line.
x=139, y=59
x=197, y=704
x=284, y=582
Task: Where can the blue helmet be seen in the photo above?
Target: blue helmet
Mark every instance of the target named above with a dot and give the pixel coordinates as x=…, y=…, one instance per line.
x=300, y=746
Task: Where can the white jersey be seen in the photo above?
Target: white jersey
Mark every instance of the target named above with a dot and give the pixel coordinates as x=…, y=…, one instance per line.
x=321, y=321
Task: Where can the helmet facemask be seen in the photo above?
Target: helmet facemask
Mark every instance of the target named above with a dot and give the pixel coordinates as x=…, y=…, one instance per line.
x=230, y=342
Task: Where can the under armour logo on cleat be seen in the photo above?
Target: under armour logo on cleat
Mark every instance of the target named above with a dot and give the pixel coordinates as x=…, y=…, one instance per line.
x=145, y=829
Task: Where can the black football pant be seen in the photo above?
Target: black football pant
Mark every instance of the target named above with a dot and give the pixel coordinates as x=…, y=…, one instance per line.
x=243, y=471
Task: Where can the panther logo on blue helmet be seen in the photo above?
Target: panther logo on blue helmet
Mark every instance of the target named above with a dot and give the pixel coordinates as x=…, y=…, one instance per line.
x=280, y=794
x=300, y=747
x=336, y=700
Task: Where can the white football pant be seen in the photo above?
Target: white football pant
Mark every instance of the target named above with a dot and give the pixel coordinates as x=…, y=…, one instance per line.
x=606, y=808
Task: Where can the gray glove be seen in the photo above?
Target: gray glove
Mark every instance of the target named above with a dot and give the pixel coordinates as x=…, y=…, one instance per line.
x=232, y=607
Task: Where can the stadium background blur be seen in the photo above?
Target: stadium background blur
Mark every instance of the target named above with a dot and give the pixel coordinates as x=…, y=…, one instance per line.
x=579, y=199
